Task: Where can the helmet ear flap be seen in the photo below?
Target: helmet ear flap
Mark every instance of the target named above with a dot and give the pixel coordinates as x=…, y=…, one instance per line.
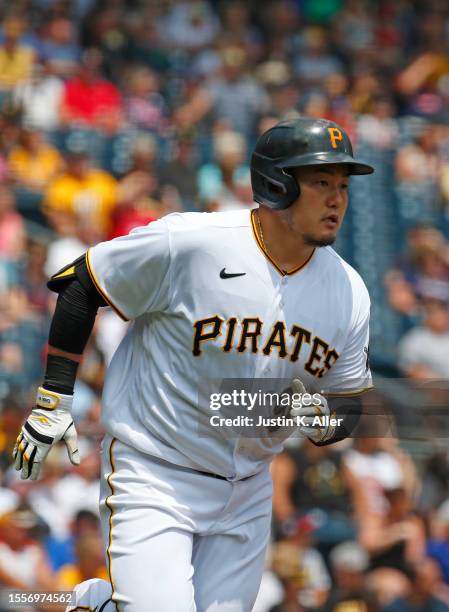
x=293, y=189
x=273, y=187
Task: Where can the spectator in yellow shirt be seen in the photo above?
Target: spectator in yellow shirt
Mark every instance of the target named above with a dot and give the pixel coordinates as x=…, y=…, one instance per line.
x=16, y=60
x=81, y=190
x=33, y=162
x=90, y=562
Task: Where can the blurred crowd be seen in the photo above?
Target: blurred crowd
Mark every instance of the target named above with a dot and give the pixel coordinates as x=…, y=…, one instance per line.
x=114, y=113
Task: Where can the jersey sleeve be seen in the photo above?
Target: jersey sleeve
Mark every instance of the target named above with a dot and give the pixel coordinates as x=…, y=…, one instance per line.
x=351, y=374
x=132, y=273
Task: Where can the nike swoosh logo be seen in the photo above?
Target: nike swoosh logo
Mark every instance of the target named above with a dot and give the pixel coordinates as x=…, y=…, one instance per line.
x=224, y=274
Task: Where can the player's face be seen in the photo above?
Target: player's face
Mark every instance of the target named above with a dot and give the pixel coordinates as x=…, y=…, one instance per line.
x=319, y=211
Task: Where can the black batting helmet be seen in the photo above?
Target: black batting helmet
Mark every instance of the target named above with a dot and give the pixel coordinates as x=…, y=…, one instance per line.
x=292, y=144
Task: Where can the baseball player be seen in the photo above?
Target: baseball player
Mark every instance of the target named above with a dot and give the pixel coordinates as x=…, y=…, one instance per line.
x=237, y=295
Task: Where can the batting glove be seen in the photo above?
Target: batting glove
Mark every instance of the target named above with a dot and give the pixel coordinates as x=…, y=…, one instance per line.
x=49, y=422
x=308, y=425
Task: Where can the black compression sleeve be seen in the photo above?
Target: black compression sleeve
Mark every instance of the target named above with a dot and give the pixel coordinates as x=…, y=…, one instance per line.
x=73, y=319
x=60, y=374
x=70, y=329
x=347, y=408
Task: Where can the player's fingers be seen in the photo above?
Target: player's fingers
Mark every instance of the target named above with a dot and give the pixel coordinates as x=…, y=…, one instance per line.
x=35, y=470
x=305, y=411
x=298, y=386
x=305, y=421
x=310, y=432
x=21, y=448
x=71, y=441
x=36, y=461
x=27, y=461
x=16, y=445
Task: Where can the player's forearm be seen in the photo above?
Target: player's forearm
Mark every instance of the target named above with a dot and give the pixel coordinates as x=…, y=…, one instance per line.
x=70, y=329
x=52, y=350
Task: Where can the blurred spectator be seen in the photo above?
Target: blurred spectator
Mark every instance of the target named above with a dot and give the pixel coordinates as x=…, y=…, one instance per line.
x=138, y=197
x=39, y=98
x=90, y=100
x=61, y=551
x=234, y=97
x=284, y=93
x=314, y=63
x=221, y=185
x=16, y=59
x=378, y=127
x=75, y=241
x=33, y=162
x=316, y=105
x=237, y=100
x=238, y=28
x=349, y=563
x=424, y=349
x=394, y=538
x=281, y=23
x=423, y=72
x=137, y=203
x=425, y=578
x=188, y=24
x=80, y=489
x=420, y=160
x=400, y=293
x=418, y=172
x=336, y=88
x=58, y=48
x=422, y=273
x=89, y=563
x=60, y=494
x=366, y=88
x=444, y=179
x=146, y=43
x=23, y=563
x=181, y=172
x=355, y=30
x=144, y=104
x=313, y=479
x=106, y=30
x=301, y=569
x=11, y=415
x=378, y=464
x=81, y=190
x=438, y=543
x=12, y=228
x=33, y=279
x=434, y=485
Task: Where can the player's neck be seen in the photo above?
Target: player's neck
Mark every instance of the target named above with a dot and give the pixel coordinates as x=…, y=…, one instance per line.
x=283, y=245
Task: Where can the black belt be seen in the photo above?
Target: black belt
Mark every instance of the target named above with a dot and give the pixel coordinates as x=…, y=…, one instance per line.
x=185, y=468
x=212, y=475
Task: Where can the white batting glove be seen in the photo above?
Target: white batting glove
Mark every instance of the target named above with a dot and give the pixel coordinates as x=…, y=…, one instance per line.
x=317, y=433
x=49, y=422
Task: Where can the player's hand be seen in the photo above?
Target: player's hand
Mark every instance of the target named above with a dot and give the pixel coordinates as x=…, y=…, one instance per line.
x=317, y=433
x=49, y=422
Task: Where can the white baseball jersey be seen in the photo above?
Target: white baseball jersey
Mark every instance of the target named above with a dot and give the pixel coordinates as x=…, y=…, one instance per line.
x=207, y=302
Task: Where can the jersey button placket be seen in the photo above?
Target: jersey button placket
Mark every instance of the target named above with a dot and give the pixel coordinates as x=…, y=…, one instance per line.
x=283, y=287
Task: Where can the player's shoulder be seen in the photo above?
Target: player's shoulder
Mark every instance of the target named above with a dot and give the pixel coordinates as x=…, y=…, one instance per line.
x=342, y=273
x=199, y=221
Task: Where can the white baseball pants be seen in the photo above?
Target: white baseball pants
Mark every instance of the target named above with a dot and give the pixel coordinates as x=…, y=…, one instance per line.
x=179, y=540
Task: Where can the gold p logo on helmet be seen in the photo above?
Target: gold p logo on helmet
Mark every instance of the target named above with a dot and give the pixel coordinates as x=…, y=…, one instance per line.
x=335, y=135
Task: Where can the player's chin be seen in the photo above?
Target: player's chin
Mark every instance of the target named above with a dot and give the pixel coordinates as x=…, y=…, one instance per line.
x=322, y=239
